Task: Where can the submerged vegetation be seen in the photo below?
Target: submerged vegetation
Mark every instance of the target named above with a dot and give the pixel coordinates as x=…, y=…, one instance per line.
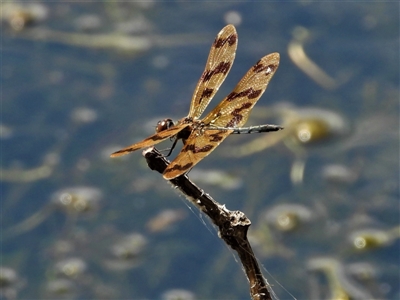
x=322, y=195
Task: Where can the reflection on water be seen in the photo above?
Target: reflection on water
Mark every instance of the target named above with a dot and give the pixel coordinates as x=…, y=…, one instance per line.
x=364, y=239
x=74, y=202
x=10, y=283
x=341, y=287
x=304, y=129
x=20, y=16
x=300, y=59
x=77, y=225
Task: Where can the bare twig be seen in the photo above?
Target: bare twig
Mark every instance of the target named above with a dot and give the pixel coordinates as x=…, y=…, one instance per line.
x=232, y=225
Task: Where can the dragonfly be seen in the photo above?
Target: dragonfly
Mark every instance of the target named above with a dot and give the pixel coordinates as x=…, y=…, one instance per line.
x=201, y=136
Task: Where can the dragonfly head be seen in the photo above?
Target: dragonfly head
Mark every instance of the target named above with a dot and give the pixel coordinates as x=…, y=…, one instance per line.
x=164, y=124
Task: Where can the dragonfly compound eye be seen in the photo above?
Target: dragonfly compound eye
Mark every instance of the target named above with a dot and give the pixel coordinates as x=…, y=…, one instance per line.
x=164, y=124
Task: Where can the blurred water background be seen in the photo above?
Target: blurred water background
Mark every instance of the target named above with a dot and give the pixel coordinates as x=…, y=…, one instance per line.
x=81, y=80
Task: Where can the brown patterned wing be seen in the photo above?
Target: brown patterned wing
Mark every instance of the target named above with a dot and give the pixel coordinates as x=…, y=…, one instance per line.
x=151, y=140
x=197, y=147
x=234, y=110
x=219, y=63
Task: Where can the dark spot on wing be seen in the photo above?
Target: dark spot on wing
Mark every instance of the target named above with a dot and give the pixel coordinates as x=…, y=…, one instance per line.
x=232, y=96
x=237, y=111
x=254, y=94
x=215, y=137
x=234, y=121
x=179, y=168
x=259, y=67
x=222, y=67
x=250, y=93
x=218, y=43
x=195, y=149
x=206, y=94
x=232, y=39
